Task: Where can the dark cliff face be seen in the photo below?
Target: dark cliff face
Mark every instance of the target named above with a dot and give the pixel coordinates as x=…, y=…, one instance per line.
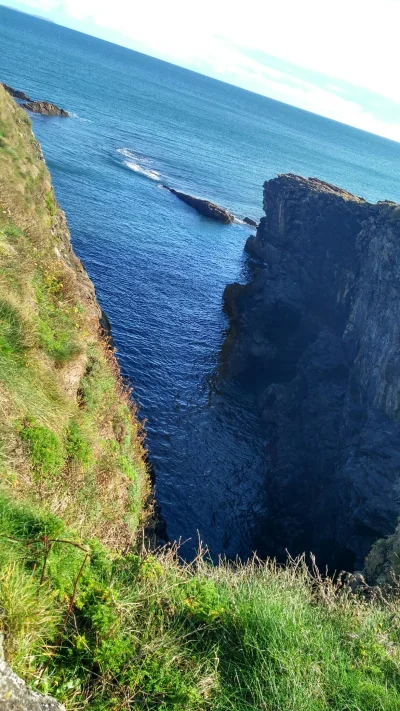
x=316, y=335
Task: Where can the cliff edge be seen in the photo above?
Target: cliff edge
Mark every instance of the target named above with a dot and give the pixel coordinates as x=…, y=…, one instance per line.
x=72, y=461
x=315, y=334
x=90, y=618
x=66, y=416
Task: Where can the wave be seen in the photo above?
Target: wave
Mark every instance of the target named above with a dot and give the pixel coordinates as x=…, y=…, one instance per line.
x=80, y=118
x=139, y=164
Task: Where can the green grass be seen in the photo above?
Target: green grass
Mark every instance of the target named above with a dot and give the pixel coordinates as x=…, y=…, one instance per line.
x=3, y=129
x=45, y=450
x=97, y=384
x=77, y=446
x=148, y=632
x=58, y=320
x=51, y=205
x=11, y=331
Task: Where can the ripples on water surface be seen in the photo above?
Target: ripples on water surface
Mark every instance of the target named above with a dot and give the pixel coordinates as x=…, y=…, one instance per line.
x=159, y=268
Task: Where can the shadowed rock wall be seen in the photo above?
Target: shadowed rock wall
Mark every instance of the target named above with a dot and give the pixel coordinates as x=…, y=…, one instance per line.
x=316, y=334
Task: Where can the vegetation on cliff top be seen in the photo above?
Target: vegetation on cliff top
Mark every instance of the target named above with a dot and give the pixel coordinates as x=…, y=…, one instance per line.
x=87, y=614
x=68, y=435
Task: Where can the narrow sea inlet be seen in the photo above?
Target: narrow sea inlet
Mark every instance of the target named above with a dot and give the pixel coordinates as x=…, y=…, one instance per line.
x=160, y=268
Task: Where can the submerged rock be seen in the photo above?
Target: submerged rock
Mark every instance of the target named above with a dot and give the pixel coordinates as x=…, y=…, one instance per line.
x=250, y=222
x=204, y=207
x=16, y=94
x=44, y=107
x=315, y=335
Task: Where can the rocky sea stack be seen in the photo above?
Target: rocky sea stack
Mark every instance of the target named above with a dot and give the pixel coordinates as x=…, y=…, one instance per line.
x=315, y=333
x=204, y=207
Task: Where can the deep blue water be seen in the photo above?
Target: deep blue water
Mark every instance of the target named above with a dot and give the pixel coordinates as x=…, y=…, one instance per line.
x=159, y=268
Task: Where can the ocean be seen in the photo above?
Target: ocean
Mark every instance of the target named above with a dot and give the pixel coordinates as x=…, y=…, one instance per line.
x=160, y=268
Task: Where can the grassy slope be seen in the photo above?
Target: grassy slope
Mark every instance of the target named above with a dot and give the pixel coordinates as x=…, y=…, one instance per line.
x=67, y=437
x=145, y=632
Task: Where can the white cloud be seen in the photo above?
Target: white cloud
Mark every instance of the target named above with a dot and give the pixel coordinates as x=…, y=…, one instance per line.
x=355, y=41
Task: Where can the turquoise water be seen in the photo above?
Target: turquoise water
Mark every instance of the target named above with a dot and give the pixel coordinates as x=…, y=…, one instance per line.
x=159, y=268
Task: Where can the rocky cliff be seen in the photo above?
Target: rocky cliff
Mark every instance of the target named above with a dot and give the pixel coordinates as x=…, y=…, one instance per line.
x=315, y=333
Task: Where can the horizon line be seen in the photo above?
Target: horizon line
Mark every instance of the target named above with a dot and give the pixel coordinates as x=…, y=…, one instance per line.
x=193, y=71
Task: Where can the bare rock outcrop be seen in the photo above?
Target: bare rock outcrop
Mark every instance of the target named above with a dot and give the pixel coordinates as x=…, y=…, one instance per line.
x=46, y=108
x=16, y=94
x=315, y=335
x=204, y=207
x=250, y=221
x=16, y=696
x=382, y=565
x=38, y=107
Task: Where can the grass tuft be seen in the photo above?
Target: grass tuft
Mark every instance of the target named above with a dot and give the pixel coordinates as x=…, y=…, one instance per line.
x=11, y=330
x=58, y=320
x=51, y=205
x=77, y=446
x=45, y=450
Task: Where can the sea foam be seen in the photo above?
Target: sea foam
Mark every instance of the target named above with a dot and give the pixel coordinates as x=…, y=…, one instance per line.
x=138, y=164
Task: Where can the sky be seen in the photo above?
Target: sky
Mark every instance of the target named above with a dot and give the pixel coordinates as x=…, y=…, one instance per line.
x=339, y=59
